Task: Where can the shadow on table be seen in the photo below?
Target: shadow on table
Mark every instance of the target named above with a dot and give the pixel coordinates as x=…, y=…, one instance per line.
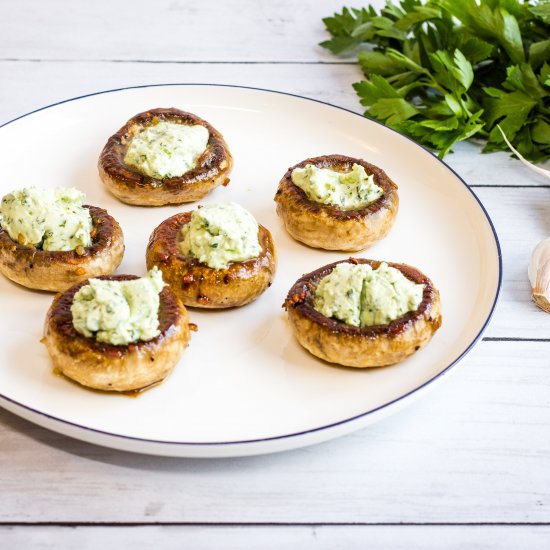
x=64, y=444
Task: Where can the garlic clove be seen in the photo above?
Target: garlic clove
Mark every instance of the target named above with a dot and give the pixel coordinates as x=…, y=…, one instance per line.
x=539, y=267
x=539, y=274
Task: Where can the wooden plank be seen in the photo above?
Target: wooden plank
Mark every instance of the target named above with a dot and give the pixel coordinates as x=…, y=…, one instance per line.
x=473, y=450
x=268, y=538
x=30, y=85
x=169, y=30
x=521, y=221
x=27, y=86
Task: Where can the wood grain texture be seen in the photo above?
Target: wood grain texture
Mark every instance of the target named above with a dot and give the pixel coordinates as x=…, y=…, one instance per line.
x=175, y=30
x=474, y=450
x=522, y=219
x=58, y=81
x=27, y=86
x=275, y=538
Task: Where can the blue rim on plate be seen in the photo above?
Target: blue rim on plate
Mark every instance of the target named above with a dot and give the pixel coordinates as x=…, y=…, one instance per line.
x=311, y=430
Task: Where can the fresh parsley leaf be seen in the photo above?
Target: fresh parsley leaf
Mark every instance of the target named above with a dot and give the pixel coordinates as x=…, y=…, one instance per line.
x=393, y=111
x=544, y=75
x=419, y=14
x=539, y=52
x=540, y=132
x=476, y=50
x=340, y=44
x=442, y=71
x=541, y=11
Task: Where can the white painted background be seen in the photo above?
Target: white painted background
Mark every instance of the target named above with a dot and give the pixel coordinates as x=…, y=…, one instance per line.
x=467, y=467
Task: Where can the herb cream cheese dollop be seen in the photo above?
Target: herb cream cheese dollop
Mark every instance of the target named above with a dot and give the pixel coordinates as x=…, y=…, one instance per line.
x=361, y=296
x=50, y=219
x=347, y=190
x=167, y=149
x=219, y=234
x=119, y=312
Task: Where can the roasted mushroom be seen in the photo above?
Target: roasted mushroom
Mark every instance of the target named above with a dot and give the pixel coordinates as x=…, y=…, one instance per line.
x=163, y=170
x=57, y=270
x=333, y=226
x=109, y=367
x=376, y=345
x=200, y=285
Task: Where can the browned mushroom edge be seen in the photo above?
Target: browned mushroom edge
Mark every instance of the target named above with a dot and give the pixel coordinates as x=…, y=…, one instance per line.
x=340, y=163
x=60, y=320
x=103, y=231
x=187, y=275
x=209, y=164
x=302, y=293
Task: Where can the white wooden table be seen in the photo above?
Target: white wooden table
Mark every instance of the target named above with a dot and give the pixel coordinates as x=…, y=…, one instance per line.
x=468, y=466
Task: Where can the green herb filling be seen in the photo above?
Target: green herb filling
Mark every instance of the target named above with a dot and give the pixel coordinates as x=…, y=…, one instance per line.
x=361, y=296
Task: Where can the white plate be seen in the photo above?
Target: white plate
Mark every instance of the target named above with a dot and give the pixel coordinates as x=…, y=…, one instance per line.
x=244, y=386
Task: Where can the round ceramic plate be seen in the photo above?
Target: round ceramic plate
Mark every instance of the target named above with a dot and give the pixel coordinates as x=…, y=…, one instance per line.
x=244, y=385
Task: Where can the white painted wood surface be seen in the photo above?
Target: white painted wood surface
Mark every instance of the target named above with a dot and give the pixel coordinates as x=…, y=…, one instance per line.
x=471, y=451
x=168, y=30
x=275, y=538
x=468, y=466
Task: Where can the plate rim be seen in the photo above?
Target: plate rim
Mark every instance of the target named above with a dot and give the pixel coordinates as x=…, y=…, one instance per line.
x=310, y=431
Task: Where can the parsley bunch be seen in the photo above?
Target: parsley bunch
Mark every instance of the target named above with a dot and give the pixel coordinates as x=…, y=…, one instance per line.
x=441, y=71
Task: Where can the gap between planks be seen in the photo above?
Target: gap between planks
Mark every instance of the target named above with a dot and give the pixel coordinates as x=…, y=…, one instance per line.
x=176, y=61
x=513, y=339
x=497, y=186
x=267, y=524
